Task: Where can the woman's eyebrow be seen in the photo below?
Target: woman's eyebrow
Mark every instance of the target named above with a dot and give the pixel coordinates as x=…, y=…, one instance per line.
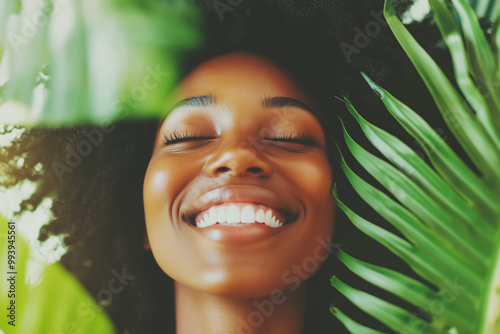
x=268, y=102
x=284, y=102
x=196, y=101
x=193, y=101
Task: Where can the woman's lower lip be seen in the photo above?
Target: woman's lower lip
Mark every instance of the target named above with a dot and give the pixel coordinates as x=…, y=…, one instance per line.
x=238, y=234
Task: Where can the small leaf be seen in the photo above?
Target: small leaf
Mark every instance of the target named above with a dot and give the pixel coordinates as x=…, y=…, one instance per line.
x=481, y=58
x=394, y=317
x=351, y=325
x=414, y=292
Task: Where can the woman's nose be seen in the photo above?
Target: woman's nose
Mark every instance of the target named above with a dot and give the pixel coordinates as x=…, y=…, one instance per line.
x=239, y=160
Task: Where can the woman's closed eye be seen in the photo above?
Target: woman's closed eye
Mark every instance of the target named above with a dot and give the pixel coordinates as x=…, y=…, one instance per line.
x=176, y=137
x=295, y=143
x=300, y=138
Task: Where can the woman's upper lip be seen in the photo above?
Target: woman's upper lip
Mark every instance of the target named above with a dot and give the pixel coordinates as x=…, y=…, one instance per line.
x=238, y=194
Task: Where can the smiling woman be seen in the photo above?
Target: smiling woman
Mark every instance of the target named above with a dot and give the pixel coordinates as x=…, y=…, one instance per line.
x=236, y=210
x=221, y=214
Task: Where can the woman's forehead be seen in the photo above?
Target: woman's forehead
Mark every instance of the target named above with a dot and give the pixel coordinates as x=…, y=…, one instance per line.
x=239, y=75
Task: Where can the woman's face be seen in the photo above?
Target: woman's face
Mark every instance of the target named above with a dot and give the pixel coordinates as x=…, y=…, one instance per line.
x=237, y=194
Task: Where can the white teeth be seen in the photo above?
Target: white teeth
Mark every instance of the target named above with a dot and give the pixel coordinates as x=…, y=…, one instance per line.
x=268, y=219
x=260, y=217
x=221, y=215
x=248, y=214
x=276, y=222
x=233, y=214
x=212, y=216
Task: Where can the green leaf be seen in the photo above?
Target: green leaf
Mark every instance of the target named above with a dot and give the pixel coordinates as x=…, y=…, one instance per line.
x=481, y=58
x=412, y=291
x=395, y=244
x=450, y=167
x=393, y=316
x=458, y=117
x=409, y=194
x=449, y=214
x=453, y=39
x=107, y=60
x=409, y=162
x=350, y=324
x=486, y=8
x=53, y=303
x=6, y=9
x=426, y=255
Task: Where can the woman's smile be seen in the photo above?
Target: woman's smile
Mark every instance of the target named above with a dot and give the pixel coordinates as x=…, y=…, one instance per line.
x=239, y=183
x=240, y=203
x=239, y=213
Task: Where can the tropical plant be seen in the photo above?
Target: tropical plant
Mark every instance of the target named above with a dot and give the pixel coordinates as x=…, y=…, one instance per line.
x=448, y=211
x=484, y=8
x=64, y=62
x=50, y=301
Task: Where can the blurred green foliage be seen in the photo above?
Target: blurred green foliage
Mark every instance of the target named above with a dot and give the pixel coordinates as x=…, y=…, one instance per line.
x=52, y=301
x=73, y=61
x=485, y=8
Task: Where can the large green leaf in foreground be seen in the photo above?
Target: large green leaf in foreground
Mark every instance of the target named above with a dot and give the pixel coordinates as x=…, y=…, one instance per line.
x=73, y=61
x=448, y=212
x=54, y=303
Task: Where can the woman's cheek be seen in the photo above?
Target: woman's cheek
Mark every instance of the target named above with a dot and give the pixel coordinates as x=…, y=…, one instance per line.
x=159, y=191
x=311, y=175
x=155, y=186
x=162, y=178
x=161, y=185
x=317, y=176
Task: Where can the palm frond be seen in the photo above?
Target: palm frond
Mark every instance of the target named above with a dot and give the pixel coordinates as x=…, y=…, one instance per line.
x=447, y=213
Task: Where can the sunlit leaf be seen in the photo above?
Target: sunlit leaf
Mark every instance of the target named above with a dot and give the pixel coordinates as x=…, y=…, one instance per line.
x=55, y=302
x=95, y=61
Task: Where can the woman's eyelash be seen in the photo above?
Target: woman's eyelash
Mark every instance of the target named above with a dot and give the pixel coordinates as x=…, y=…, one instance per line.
x=176, y=137
x=301, y=138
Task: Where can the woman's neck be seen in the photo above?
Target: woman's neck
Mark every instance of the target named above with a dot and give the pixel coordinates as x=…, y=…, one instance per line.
x=199, y=312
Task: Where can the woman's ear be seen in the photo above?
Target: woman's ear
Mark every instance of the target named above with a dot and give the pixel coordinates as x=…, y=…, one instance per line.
x=145, y=243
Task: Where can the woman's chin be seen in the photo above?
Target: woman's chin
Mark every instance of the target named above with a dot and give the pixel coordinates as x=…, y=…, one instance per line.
x=241, y=285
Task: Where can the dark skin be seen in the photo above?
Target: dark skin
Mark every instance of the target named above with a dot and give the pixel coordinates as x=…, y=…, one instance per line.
x=247, y=137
